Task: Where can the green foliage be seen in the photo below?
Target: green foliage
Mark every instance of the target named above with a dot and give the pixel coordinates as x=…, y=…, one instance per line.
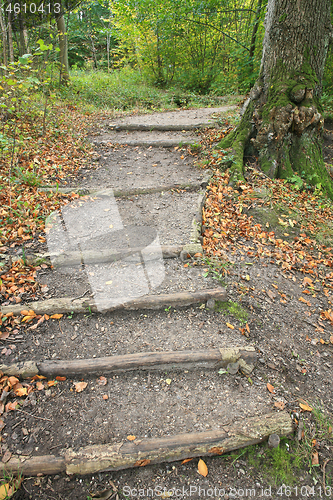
x=234, y=309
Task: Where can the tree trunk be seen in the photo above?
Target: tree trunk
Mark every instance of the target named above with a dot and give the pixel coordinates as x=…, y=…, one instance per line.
x=63, y=54
x=4, y=37
x=254, y=38
x=282, y=121
x=10, y=38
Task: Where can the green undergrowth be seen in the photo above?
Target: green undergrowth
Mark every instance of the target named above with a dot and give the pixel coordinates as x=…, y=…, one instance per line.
x=236, y=310
x=126, y=90
x=292, y=462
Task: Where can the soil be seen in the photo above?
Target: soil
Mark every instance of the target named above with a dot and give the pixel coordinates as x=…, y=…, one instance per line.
x=292, y=356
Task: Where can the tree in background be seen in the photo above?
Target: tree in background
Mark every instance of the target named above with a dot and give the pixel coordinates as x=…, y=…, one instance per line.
x=282, y=122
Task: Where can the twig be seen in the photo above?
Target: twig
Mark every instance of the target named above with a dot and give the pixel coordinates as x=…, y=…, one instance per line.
x=55, y=446
x=309, y=323
x=35, y=416
x=80, y=296
x=324, y=478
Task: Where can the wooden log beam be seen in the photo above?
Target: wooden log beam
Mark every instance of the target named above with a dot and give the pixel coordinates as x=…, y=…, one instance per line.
x=138, y=453
x=74, y=258
x=120, y=193
x=66, y=305
x=210, y=359
x=160, y=128
x=245, y=357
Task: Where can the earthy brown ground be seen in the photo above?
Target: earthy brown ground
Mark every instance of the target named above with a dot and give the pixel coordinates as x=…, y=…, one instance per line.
x=295, y=357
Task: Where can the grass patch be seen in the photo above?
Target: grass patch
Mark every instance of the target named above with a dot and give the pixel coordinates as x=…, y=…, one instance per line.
x=292, y=463
x=126, y=90
x=232, y=308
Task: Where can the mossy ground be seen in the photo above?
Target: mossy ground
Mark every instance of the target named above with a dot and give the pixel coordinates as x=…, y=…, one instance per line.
x=232, y=308
x=291, y=460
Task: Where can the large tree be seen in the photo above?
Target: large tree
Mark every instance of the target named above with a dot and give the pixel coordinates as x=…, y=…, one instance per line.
x=282, y=120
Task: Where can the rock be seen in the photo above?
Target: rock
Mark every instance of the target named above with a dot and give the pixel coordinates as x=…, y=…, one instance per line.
x=233, y=368
x=273, y=441
x=210, y=304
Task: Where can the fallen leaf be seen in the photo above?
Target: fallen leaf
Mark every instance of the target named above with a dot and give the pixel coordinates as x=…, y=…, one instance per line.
x=61, y=379
x=20, y=391
x=103, y=495
x=305, y=407
x=40, y=385
x=279, y=404
x=102, y=381
x=12, y=381
x=6, y=457
x=108, y=282
x=315, y=458
x=270, y=388
x=247, y=327
x=168, y=381
x=301, y=299
x=51, y=383
x=105, y=397
x=131, y=438
x=197, y=254
x=186, y=460
x=230, y=326
x=80, y=386
x=202, y=468
x=141, y=463
x=56, y=316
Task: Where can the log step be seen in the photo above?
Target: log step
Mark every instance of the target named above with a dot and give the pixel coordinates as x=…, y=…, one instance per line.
x=233, y=358
x=141, y=452
x=67, y=305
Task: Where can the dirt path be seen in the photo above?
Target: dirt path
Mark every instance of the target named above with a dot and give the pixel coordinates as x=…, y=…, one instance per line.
x=154, y=404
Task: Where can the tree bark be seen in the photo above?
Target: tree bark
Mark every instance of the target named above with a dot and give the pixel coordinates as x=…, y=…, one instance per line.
x=63, y=46
x=4, y=37
x=282, y=122
x=10, y=38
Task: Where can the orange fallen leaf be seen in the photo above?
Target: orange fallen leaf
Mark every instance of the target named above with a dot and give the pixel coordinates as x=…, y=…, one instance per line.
x=270, y=388
x=230, y=326
x=105, y=397
x=51, y=383
x=56, y=316
x=186, y=460
x=198, y=254
x=202, y=468
x=279, y=404
x=20, y=391
x=131, y=438
x=61, y=379
x=12, y=381
x=247, y=327
x=301, y=299
x=39, y=385
x=142, y=463
x=305, y=407
x=80, y=386
x=315, y=458
x=102, y=381
x=11, y=406
x=38, y=377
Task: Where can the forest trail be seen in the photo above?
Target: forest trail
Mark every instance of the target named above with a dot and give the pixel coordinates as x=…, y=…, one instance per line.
x=130, y=279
